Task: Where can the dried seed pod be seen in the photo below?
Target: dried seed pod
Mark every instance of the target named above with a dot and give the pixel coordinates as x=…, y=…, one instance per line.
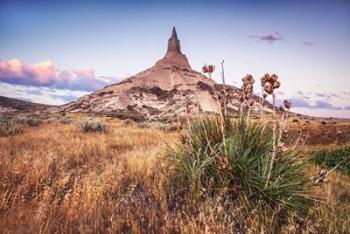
x=282, y=147
x=224, y=164
x=323, y=172
x=184, y=139
x=211, y=68
x=241, y=97
x=247, y=87
x=205, y=69
x=276, y=84
x=208, y=69
x=268, y=88
x=287, y=104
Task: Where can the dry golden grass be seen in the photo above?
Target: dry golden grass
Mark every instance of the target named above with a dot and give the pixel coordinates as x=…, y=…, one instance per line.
x=55, y=178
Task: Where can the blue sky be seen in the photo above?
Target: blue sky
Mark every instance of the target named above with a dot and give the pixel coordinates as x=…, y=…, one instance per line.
x=74, y=47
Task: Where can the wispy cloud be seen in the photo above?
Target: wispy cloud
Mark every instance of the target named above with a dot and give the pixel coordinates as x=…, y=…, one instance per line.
x=311, y=103
x=320, y=104
x=45, y=74
x=322, y=95
x=270, y=37
x=309, y=43
x=44, y=95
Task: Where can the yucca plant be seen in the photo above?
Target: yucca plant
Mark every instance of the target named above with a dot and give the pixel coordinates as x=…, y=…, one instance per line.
x=240, y=167
x=246, y=163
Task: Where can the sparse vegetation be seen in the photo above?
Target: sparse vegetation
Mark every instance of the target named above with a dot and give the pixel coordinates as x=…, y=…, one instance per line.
x=55, y=178
x=65, y=120
x=167, y=127
x=33, y=121
x=92, y=125
x=223, y=176
x=331, y=157
x=10, y=126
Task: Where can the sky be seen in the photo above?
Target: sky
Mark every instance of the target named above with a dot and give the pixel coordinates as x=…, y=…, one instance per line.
x=56, y=51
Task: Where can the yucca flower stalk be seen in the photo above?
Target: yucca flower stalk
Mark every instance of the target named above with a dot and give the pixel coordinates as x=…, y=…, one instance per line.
x=223, y=103
x=209, y=69
x=270, y=83
x=224, y=89
x=245, y=98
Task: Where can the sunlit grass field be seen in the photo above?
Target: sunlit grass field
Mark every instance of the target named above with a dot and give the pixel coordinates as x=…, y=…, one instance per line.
x=56, y=178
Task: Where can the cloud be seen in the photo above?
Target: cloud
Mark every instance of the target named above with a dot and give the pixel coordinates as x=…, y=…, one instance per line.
x=300, y=102
x=46, y=95
x=323, y=105
x=304, y=102
x=271, y=37
x=45, y=74
x=321, y=95
x=309, y=43
x=66, y=98
x=320, y=104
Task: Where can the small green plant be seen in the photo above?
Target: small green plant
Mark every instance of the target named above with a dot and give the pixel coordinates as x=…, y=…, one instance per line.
x=92, y=125
x=338, y=157
x=10, y=127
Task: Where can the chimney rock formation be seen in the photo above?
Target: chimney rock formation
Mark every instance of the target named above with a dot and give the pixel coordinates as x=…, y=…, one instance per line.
x=168, y=89
x=173, y=56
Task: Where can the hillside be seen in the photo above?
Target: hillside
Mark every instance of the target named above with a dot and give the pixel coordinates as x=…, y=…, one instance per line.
x=169, y=89
x=11, y=104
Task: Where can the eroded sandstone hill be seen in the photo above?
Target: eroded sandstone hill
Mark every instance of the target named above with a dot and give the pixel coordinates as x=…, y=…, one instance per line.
x=169, y=88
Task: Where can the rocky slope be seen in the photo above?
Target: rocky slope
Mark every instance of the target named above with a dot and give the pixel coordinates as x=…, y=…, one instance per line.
x=169, y=88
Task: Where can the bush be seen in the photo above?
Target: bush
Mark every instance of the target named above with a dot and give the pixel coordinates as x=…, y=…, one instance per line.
x=10, y=127
x=92, y=125
x=143, y=125
x=237, y=164
x=166, y=127
x=32, y=121
x=331, y=157
x=65, y=120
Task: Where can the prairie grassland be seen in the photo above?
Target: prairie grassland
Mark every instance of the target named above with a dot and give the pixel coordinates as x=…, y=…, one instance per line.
x=54, y=178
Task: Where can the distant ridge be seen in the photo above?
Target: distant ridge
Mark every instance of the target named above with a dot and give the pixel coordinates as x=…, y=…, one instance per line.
x=11, y=104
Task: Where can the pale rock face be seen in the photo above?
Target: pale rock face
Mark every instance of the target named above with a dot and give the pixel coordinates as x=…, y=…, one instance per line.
x=170, y=88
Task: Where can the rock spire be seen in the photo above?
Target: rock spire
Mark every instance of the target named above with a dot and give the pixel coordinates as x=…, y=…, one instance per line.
x=173, y=56
x=173, y=42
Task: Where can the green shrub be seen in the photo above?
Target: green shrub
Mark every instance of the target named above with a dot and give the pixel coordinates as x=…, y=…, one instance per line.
x=331, y=157
x=33, y=122
x=10, y=127
x=92, y=125
x=65, y=120
x=237, y=164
